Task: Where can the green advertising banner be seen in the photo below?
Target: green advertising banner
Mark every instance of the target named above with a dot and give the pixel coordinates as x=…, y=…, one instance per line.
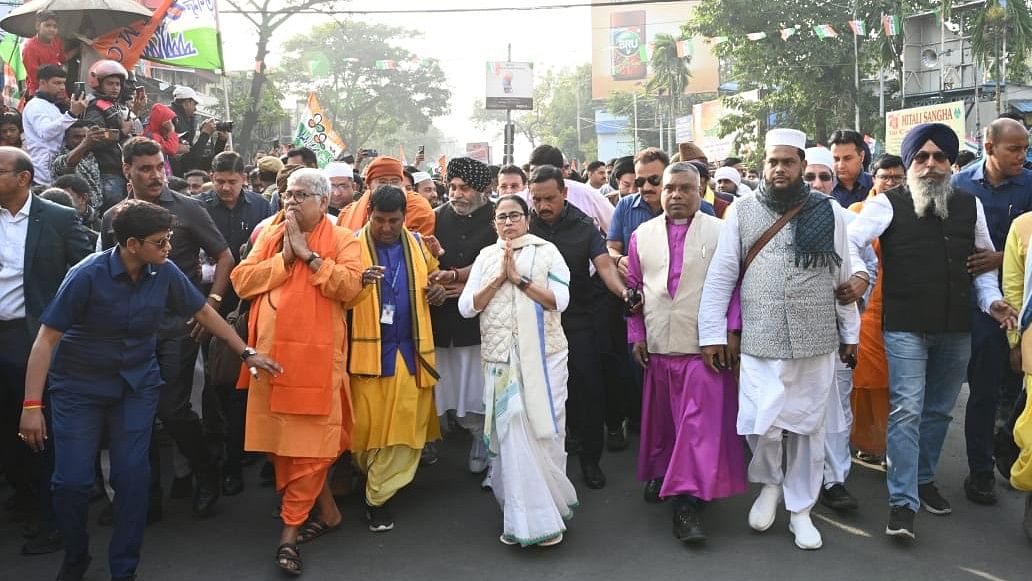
x=188, y=37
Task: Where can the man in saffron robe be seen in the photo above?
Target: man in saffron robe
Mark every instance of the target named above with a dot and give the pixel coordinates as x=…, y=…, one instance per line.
x=387, y=171
x=298, y=278
x=392, y=354
x=688, y=436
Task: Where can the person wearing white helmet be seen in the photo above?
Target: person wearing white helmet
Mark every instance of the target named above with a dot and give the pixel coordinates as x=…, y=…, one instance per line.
x=342, y=185
x=203, y=141
x=106, y=79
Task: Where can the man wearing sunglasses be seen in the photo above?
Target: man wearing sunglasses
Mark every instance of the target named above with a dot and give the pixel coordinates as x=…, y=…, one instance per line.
x=820, y=170
x=1004, y=187
x=926, y=231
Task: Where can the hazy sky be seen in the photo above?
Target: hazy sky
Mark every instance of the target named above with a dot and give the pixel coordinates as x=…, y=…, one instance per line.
x=463, y=42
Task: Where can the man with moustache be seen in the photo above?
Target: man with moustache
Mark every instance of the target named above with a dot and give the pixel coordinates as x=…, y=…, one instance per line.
x=926, y=230
x=193, y=230
x=463, y=227
x=793, y=328
x=1004, y=187
x=578, y=240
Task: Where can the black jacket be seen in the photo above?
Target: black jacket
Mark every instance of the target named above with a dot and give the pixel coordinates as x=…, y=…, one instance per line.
x=202, y=147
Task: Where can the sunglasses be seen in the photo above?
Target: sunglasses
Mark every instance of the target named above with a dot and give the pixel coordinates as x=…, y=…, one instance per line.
x=812, y=177
x=938, y=156
x=654, y=180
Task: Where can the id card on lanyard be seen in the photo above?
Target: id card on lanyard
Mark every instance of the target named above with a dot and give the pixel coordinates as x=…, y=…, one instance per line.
x=388, y=308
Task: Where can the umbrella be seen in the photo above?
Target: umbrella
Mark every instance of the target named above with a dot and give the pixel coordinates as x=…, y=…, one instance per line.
x=89, y=18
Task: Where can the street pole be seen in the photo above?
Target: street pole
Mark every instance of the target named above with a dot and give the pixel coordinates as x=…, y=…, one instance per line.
x=225, y=82
x=635, y=97
x=856, y=73
x=576, y=84
x=510, y=131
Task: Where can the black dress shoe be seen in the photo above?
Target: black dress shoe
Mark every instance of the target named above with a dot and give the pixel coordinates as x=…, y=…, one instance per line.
x=593, y=476
x=46, y=542
x=651, y=491
x=74, y=571
x=232, y=484
x=838, y=498
x=688, y=525
x=206, y=494
x=979, y=488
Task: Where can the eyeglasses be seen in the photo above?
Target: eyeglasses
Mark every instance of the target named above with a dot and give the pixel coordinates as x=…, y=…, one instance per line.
x=654, y=180
x=889, y=177
x=165, y=242
x=938, y=156
x=514, y=217
x=300, y=196
x=812, y=177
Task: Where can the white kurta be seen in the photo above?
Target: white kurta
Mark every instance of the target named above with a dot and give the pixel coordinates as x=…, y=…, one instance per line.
x=789, y=394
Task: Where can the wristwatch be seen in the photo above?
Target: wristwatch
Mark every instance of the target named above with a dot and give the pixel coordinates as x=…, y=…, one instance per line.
x=311, y=258
x=247, y=353
x=218, y=298
x=524, y=283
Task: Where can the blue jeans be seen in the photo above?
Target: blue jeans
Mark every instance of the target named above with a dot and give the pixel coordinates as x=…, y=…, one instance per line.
x=78, y=420
x=926, y=371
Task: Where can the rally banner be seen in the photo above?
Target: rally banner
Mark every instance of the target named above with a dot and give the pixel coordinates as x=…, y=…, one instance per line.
x=898, y=123
x=315, y=132
x=125, y=45
x=188, y=37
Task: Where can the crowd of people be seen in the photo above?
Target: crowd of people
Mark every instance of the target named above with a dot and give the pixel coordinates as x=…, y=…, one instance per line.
x=753, y=326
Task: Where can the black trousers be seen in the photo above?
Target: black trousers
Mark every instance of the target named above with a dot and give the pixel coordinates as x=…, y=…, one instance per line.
x=177, y=354
x=586, y=404
x=990, y=382
x=20, y=465
x=623, y=401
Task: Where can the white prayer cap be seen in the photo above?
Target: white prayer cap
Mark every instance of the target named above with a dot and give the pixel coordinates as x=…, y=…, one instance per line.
x=783, y=136
x=338, y=169
x=728, y=173
x=820, y=156
x=420, y=177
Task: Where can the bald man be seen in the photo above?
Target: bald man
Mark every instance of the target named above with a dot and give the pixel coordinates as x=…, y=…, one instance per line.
x=39, y=242
x=1005, y=190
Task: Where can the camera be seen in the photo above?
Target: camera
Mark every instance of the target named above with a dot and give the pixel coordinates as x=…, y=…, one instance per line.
x=224, y=126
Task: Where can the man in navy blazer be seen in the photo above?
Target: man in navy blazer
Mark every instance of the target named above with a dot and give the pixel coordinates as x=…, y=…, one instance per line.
x=39, y=242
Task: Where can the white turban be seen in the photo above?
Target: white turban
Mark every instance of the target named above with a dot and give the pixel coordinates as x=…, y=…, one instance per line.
x=728, y=173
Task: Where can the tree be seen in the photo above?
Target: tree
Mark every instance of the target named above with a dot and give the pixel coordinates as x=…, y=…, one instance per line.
x=370, y=88
x=271, y=121
x=266, y=16
x=562, y=114
x=1001, y=37
x=669, y=73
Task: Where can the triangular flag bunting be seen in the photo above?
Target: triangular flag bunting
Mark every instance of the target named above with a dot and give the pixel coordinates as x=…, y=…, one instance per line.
x=824, y=31
x=786, y=33
x=756, y=35
x=858, y=27
x=892, y=25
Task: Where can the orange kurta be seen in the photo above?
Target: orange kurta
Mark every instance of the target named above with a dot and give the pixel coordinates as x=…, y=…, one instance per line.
x=870, y=396
x=301, y=435
x=419, y=214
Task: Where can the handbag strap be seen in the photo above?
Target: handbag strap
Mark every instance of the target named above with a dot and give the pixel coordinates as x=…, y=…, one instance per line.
x=768, y=236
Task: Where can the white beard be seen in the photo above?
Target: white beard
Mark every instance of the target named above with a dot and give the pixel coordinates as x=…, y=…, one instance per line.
x=930, y=195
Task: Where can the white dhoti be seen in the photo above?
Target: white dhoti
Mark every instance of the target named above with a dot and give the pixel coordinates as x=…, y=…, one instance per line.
x=461, y=386
x=838, y=426
x=786, y=395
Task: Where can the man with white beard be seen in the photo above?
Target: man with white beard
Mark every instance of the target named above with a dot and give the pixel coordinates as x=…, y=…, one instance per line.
x=926, y=230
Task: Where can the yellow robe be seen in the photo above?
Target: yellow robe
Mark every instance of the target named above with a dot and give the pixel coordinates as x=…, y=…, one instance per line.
x=297, y=435
x=1014, y=259
x=398, y=410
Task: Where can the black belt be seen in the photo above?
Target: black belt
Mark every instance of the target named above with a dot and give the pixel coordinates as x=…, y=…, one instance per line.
x=12, y=324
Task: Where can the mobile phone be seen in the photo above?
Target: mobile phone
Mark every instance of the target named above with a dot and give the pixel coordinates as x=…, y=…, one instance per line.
x=79, y=90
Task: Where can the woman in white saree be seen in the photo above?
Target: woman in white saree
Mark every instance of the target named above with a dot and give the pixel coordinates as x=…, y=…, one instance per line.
x=520, y=286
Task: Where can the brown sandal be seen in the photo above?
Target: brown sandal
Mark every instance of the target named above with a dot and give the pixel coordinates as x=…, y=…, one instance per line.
x=288, y=559
x=314, y=529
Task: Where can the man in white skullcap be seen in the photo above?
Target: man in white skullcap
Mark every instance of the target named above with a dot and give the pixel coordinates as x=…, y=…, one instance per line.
x=820, y=170
x=424, y=185
x=342, y=185
x=729, y=181
x=793, y=328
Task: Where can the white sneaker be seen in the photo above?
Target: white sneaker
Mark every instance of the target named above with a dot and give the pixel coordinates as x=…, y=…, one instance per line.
x=807, y=537
x=765, y=508
x=477, y=456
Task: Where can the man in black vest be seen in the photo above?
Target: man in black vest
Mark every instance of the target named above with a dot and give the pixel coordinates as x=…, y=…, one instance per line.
x=463, y=227
x=927, y=229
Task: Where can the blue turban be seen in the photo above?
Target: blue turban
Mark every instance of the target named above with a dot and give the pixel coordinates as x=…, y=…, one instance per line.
x=941, y=135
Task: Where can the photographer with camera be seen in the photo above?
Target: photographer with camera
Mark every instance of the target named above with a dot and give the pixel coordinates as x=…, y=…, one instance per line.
x=107, y=79
x=202, y=142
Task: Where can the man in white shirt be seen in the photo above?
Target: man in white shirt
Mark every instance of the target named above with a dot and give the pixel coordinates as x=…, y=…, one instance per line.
x=926, y=231
x=43, y=122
